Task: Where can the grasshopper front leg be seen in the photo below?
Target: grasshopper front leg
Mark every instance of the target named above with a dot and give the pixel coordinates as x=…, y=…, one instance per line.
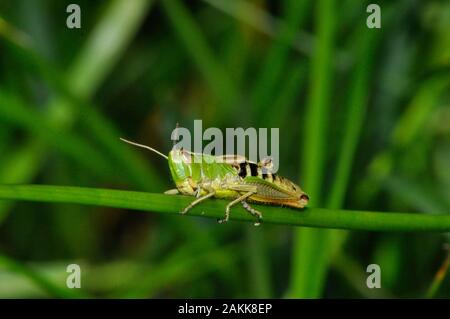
x=197, y=201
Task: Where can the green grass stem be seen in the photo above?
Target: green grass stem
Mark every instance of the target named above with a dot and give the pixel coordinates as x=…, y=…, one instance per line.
x=173, y=204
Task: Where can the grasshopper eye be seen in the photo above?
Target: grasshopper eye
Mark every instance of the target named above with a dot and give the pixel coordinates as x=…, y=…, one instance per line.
x=304, y=197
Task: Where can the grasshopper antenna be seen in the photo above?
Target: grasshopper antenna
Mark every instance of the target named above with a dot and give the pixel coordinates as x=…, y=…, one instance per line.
x=144, y=146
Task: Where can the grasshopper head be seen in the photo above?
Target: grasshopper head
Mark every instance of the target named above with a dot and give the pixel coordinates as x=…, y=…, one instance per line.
x=184, y=170
x=179, y=164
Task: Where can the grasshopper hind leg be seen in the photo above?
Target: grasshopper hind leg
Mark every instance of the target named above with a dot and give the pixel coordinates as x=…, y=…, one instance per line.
x=252, y=211
x=234, y=202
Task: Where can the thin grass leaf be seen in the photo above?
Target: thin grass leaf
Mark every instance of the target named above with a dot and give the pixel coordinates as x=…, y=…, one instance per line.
x=173, y=270
x=106, y=44
x=382, y=165
x=270, y=76
x=356, y=108
x=421, y=198
x=15, y=112
x=309, y=249
x=265, y=91
x=439, y=277
x=196, y=45
x=64, y=110
x=284, y=101
x=351, y=270
x=172, y=204
x=18, y=165
x=38, y=279
x=262, y=21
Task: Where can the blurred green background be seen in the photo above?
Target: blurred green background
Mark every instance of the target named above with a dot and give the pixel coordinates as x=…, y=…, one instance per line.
x=364, y=124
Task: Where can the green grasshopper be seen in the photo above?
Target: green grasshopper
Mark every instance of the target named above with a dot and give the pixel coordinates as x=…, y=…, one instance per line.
x=229, y=177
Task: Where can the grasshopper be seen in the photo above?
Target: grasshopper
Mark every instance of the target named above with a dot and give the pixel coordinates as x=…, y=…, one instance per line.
x=229, y=177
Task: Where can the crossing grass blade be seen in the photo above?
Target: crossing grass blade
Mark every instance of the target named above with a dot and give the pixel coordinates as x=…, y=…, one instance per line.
x=51, y=288
x=310, y=251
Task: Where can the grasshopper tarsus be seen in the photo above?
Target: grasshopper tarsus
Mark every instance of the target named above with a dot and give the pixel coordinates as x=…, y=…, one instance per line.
x=227, y=214
x=222, y=221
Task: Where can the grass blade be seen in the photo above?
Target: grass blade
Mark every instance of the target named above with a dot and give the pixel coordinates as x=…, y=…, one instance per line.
x=40, y=280
x=171, y=204
x=356, y=108
x=269, y=77
x=405, y=132
x=439, y=277
x=15, y=112
x=106, y=44
x=64, y=110
x=191, y=36
x=309, y=244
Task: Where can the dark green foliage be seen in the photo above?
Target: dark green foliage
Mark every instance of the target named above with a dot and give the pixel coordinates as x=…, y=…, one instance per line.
x=363, y=117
